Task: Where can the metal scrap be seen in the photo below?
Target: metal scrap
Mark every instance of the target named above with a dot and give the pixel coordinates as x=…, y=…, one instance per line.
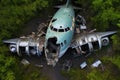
x=67, y=65
x=25, y=62
x=83, y=65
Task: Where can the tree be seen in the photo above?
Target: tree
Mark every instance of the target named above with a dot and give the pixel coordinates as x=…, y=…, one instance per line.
x=13, y=15
x=106, y=14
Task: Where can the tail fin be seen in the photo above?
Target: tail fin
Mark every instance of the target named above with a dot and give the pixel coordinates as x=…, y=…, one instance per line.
x=68, y=2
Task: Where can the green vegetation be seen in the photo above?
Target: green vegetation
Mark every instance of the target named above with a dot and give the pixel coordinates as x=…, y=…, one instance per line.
x=106, y=12
x=13, y=15
x=103, y=15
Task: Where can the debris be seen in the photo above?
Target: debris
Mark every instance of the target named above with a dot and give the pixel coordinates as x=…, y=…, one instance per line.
x=96, y=63
x=83, y=27
x=25, y=62
x=92, y=31
x=67, y=65
x=39, y=65
x=23, y=37
x=83, y=65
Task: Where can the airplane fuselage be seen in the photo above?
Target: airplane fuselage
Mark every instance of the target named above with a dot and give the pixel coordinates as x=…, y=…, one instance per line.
x=61, y=27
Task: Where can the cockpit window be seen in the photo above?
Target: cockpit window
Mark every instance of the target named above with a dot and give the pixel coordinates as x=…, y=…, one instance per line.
x=67, y=29
x=51, y=27
x=54, y=20
x=54, y=29
x=59, y=30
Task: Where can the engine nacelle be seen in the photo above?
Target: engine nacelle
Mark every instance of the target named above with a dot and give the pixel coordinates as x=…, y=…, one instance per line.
x=105, y=41
x=13, y=48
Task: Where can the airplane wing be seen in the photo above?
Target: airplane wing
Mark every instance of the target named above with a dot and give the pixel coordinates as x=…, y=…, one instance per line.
x=11, y=41
x=26, y=45
x=88, y=42
x=104, y=34
x=29, y=45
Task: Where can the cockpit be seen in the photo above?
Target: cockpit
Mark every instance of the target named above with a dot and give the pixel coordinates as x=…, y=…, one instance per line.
x=59, y=30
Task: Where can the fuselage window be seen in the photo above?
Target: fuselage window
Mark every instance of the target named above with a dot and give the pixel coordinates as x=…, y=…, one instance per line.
x=54, y=20
x=51, y=28
x=67, y=29
x=62, y=44
x=65, y=42
x=54, y=29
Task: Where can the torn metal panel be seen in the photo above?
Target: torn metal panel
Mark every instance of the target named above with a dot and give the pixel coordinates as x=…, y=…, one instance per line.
x=83, y=65
x=25, y=62
x=96, y=63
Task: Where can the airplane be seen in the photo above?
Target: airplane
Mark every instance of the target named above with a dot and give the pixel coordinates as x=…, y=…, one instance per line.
x=59, y=37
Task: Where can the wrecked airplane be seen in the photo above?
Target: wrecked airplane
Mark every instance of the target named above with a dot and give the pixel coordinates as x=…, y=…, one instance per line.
x=60, y=36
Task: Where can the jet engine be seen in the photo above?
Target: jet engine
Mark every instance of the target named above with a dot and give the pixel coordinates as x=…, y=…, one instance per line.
x=13, y=48
x=105, y=41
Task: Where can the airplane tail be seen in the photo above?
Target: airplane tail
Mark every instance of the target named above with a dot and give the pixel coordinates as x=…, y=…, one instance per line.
x=68, y=2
